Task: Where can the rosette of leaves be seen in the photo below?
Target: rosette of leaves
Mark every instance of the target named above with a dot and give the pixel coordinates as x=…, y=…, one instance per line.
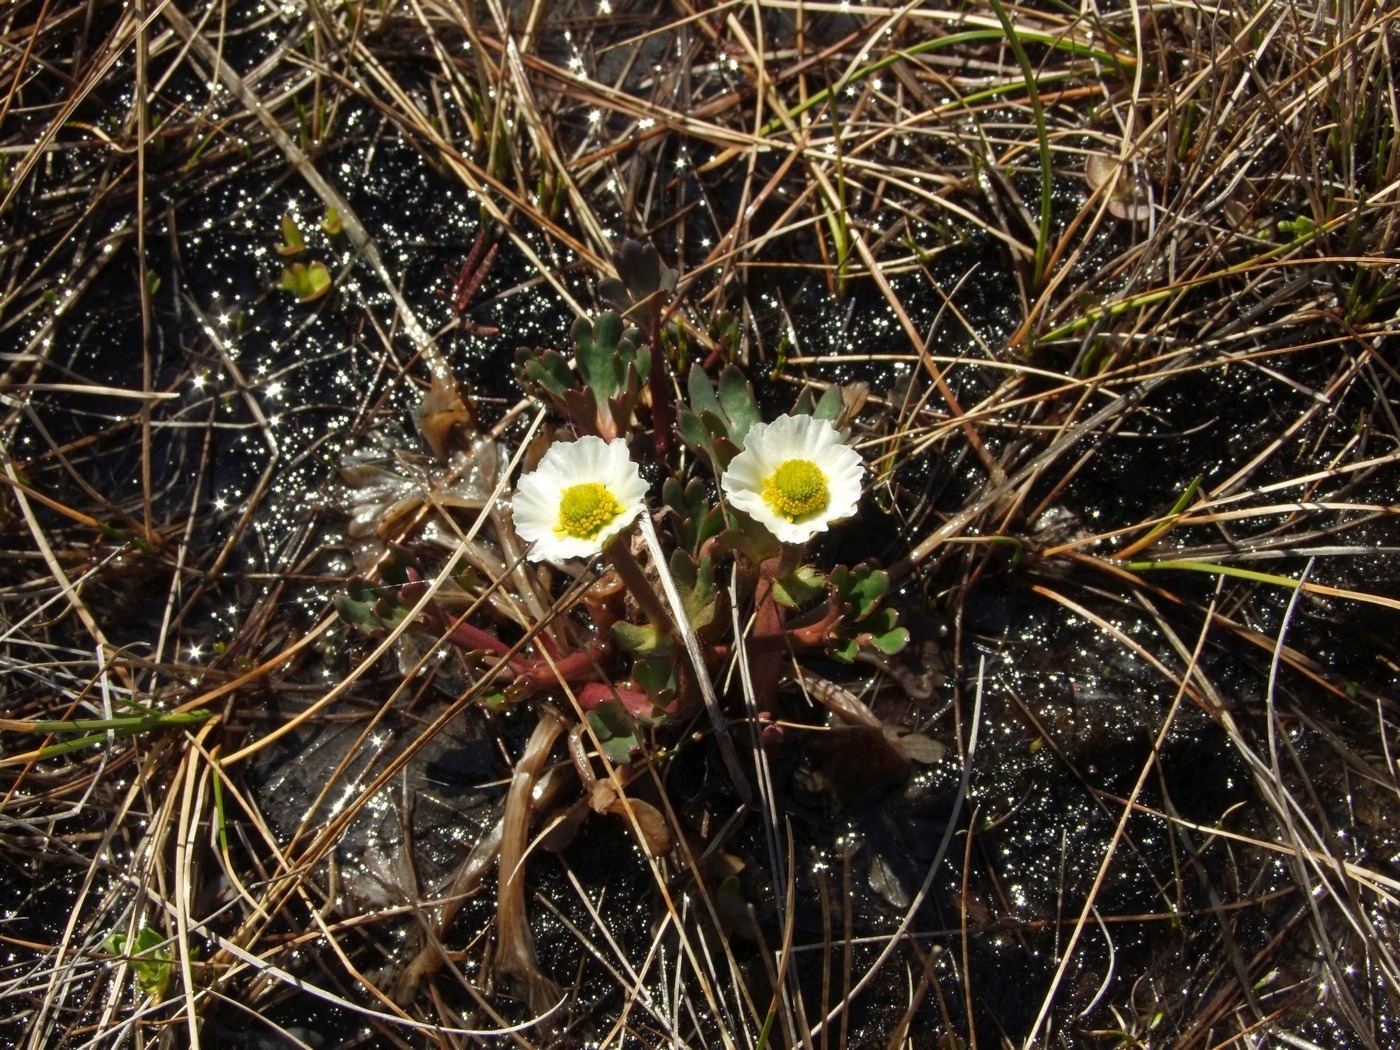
x=717, y=419
x=697, y=517
x=642, y=287
x=862, y=620
x=376, y=609
x=612, y=367
x=656, y=655
x=640, y=291
x=719, y=416
x=151, y=963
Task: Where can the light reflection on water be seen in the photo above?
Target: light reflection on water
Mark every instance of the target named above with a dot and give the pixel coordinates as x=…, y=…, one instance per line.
x=284, y=390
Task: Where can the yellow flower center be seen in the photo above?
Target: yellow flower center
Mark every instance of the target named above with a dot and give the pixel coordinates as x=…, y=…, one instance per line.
x=585, y=510
x=797, y=488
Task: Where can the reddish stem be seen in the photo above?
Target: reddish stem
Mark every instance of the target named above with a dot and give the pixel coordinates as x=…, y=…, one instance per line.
x=581, y=666
x=765, y=664
x=662, y=415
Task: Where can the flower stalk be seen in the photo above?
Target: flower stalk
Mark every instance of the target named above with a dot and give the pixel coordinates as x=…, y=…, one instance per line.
x=619, y=554
x=770, y=621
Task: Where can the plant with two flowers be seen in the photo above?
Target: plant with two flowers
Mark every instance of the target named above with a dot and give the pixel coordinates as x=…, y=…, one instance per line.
x=783, y=483
x=636, y=648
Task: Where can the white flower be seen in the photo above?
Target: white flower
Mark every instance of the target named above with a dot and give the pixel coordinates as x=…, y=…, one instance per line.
x=582, y=494
x=795, y=477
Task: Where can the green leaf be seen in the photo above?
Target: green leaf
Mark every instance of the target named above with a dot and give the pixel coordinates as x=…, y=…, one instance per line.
x=891, y=641
x=615, y=730
x=701, y=392
x=696, y=519
x=720, y=447
x=332, y=222
x=688, y=501
x=495, y=699
x=883, y=620
x=641, y=358
x=861, y=588
x=682, y=571
x=614, y=292
x=642, y=283
x=856, y=594
x=642, y=639
x=620, y=407
x=150, y=964
x=727, y=334
x=843, y=649
x=657, y=678
x=711, y=525
x=307, y=283
x=1300, y=228
x=292, y=241
x=691, y=430
x=318, y=282
x=675, y=496
x=702, y=602
x=736, y=395
x=798, y=587
x=829, y=407
x=99, y=732
x=544, y=372
x=598, y=359
x=742, y=533
x=396, y=568
x=374, y=610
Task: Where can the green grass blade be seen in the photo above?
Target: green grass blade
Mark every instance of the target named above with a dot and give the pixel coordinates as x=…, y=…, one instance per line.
x=1042, y=240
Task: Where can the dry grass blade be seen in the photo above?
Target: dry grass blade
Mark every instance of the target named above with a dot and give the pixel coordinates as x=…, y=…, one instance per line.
x=1109, y=299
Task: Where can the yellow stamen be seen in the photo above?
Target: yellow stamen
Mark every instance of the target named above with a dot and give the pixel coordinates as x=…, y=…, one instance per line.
x=585, y=510
x=797, y=488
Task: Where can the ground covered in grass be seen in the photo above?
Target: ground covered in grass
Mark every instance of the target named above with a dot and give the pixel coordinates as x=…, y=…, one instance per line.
x=298, y=749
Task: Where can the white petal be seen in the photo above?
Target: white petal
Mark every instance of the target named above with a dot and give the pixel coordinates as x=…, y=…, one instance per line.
x=579, y=460
x=535, y=506
x=769, y=445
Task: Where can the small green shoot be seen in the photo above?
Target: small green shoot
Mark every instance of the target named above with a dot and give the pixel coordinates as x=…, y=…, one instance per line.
x=864, y=623
x=151, y=964
x=292, y=241
x=612, y=366
x=1300, y=229
x=1159, y=530
x=308, y=282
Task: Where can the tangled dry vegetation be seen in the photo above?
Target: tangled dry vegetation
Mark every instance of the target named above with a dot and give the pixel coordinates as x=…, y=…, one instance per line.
x=1122, y=282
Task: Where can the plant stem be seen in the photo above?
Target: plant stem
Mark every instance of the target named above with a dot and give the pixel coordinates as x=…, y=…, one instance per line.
x=765, y=664
x=1047, y=186
x=619, y=555
x=659, y=379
